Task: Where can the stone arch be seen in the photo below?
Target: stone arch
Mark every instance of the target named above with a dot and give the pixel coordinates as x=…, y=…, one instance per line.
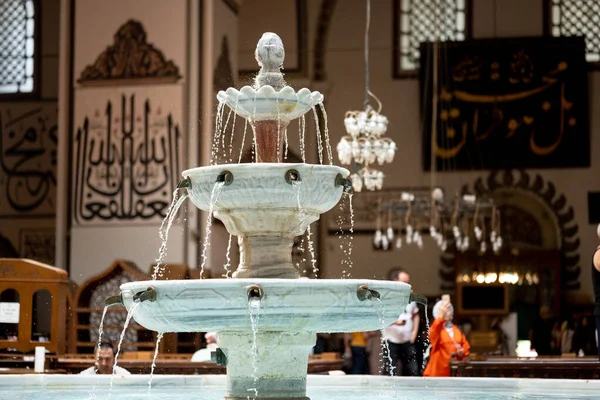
x=320, y=49
x=538, y=199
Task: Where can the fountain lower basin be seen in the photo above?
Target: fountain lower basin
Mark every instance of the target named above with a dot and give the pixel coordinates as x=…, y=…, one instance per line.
x=211, y=387
x=265, y=328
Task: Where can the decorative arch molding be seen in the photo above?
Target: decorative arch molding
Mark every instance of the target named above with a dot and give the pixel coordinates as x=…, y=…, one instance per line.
x=553, y=214
x=320, y=49
x=130, y=60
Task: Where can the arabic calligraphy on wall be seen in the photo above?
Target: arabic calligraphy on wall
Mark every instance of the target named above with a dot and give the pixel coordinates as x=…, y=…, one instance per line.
x=506, y=103
x=38, y=244
x=28, y=139
x=127, y=162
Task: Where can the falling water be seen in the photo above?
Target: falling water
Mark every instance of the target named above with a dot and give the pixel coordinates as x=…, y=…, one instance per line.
x=313, y=259
x=101, y=331
x=228, y=258
x=350, y=237
x=384, y=343
x=214, y=196
x=254, y=149
x=326, y=131
x=278, y=129
x=243, y=140
x=254, y=309
x=163, y=232
x=223, y=136
x=233, y=132
x=302, y=126
x=129, y=315
x=318, y=129
x=217, y=133
x=158, y=338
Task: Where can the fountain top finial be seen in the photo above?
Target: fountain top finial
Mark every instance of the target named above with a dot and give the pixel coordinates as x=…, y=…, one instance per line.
x=270, y=55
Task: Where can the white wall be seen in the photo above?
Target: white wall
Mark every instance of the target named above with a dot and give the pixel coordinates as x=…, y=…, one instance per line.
x=96, y=243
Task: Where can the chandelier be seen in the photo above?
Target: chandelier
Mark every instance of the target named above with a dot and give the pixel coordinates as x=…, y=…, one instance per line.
x=364, y=144
x=465, y=222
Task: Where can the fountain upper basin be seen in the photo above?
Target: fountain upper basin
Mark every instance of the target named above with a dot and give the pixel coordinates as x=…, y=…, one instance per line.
x=260, y=198
x=302, y=305
x=265, y=103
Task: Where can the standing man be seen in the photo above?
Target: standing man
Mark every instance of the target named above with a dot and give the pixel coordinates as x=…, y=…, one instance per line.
x=596, y=283
x=402, y=335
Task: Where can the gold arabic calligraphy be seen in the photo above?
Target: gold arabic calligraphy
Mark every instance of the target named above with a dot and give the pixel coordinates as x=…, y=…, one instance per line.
x=521, y=72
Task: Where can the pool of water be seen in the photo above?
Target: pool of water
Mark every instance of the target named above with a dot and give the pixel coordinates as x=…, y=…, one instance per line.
x=211, y=387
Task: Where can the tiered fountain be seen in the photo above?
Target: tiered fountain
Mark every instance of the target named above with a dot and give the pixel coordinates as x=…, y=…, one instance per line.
x=266, y=319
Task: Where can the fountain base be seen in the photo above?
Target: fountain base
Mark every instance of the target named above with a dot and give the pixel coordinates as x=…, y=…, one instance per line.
x=266, y=365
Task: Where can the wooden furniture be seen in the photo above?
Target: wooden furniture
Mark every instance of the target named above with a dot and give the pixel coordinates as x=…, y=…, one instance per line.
x=42, y=293
x=89, y=306
x=174, y=365
x=540, y=367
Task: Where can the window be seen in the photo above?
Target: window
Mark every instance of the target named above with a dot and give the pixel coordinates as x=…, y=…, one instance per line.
x=17, y=46
x=418, y=21
x=577, y=18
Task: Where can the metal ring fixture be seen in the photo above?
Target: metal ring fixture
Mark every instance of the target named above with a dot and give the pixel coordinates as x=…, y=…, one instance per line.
x=345, y=182
x=225, y=176
x=255, y=292
x=292, y=175
x=148, y=294
x=364, y=293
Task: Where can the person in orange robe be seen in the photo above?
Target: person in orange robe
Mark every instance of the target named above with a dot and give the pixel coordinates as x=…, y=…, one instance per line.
x=446, y=341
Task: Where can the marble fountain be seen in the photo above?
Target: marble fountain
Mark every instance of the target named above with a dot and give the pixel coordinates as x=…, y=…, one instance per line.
x=266, y=318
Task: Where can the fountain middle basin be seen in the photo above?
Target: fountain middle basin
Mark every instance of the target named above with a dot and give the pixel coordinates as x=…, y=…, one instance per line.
x=307, y=305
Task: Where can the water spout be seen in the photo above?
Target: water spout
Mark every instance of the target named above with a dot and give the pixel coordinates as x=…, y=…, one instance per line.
x=186, y=183
x=148, y=294
x=114, y=300
x=255, y=292
x=364, y=293
x=345, y=182
x=292, y=176
x=225, y=176
x=418, y=298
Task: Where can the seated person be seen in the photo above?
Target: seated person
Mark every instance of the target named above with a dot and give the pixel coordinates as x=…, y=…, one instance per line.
x=446, y=341
x=204, y=354
x=105, y=362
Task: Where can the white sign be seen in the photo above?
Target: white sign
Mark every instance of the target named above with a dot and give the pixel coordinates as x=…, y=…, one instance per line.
x=9, y=313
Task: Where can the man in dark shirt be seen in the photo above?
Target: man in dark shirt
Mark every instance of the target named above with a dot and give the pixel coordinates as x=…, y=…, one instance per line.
x=596, y=283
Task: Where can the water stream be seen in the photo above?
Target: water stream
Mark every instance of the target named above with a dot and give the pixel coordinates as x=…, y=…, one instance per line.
x=311, y=249
x=243, y=141
x=318, y=133
x=384, y=343
x=254, y=310
x=129, y=315
x=218, y=126
x=233, y=133
x=302, y=127
x=228, y=259
x=159, y=336
x=326, y=132
x=214, y=196
x=163, y=233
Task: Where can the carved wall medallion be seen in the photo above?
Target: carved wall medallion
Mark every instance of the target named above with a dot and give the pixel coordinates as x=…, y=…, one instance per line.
x=551, y=224
x=130, y=60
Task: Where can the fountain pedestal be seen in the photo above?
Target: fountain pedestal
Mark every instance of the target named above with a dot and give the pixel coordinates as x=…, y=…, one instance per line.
x=266, y=365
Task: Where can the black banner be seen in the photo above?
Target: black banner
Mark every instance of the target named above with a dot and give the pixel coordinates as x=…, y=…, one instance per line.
x=505, y=103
